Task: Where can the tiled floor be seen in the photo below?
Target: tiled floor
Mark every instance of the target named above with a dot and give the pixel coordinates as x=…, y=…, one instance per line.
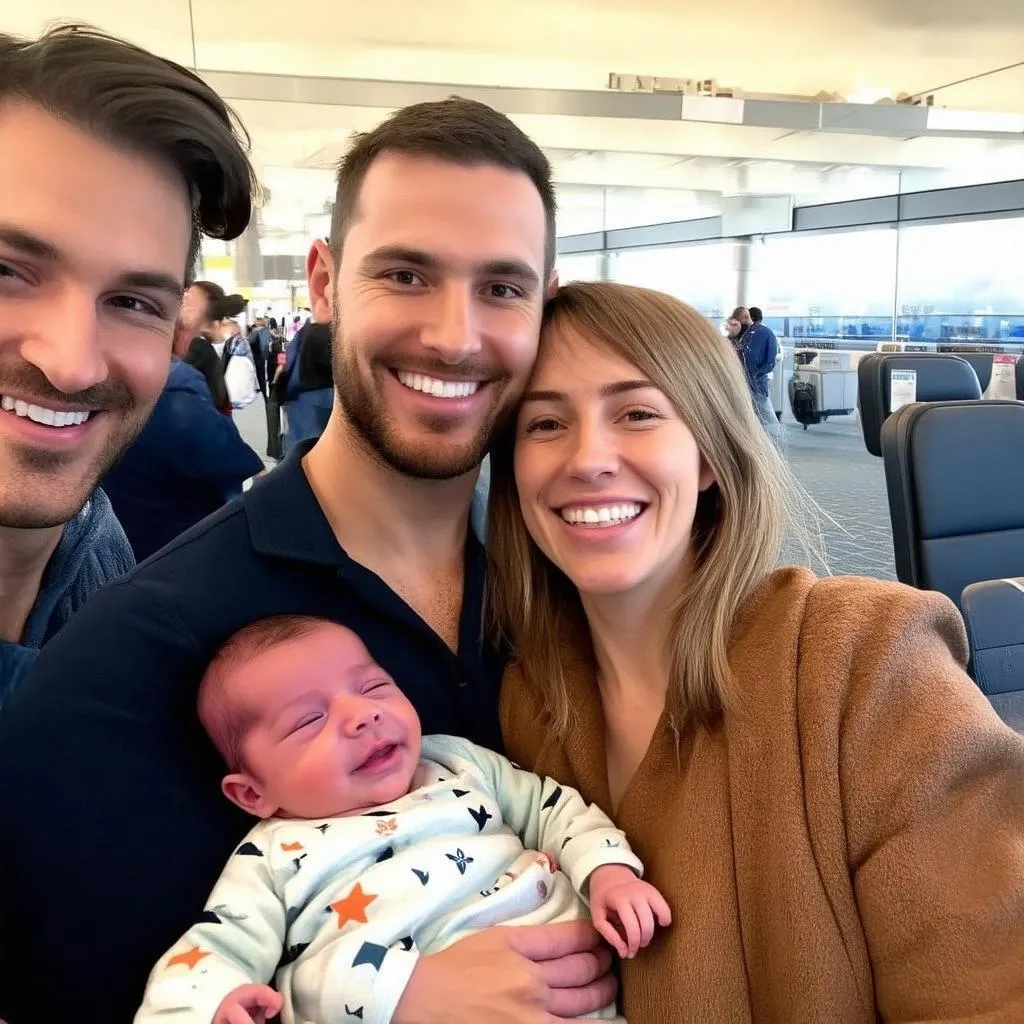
x=831, y=463
x=834, y=467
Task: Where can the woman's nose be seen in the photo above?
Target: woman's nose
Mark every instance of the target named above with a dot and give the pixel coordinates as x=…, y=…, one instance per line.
x=594, y=453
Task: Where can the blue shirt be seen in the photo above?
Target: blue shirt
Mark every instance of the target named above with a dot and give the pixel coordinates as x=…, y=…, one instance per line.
x=187, y=462
x=759, y=350
x=92, y=551
x=110, y=809
x=265, y=337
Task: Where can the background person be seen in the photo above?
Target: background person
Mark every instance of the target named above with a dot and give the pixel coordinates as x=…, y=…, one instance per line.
x=89, y=295
x=188, y=461
x=259, y=345
x=205, y=309
x=308, y=383
x=758, y=350
x=831, y=807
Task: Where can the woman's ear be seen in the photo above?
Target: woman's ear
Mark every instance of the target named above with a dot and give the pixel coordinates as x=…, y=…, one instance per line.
x=244, y=791
x=707, y=475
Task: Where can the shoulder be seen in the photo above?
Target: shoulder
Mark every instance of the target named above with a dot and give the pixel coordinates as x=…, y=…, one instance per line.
x=848, y=642
x=93, y=552
x=873, y=618
x=184, y=377
x=167, y=595
x=98, y=535
x=848, y=613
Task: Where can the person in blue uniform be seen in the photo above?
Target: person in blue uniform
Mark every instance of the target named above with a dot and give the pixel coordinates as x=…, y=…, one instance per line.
x=187, y=462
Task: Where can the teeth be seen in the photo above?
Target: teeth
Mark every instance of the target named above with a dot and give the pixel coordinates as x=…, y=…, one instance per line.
x=607, y=515
x=40, y=414
x=438, y=388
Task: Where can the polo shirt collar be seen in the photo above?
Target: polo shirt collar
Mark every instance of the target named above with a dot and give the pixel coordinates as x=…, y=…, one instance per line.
x=285, y=519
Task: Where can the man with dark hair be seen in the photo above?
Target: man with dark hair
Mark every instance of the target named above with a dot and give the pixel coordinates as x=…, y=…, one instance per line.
x=441, y=255
x=115, y=162
x=758, y=350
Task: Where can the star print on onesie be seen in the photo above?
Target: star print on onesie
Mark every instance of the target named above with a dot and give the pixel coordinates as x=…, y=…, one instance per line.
x=476, y=843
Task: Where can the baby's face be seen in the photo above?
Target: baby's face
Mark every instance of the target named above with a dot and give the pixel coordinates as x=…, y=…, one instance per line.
x=332, y=732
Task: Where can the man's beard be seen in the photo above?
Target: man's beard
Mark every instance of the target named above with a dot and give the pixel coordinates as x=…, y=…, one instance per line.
x=33, y=501
x=426, y=460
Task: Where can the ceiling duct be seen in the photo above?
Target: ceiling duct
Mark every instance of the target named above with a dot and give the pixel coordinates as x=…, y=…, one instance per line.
x=893, y=120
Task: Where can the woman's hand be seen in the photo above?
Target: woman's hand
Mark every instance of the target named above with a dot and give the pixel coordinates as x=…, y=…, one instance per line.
x=249, y=1004
x=624, y=908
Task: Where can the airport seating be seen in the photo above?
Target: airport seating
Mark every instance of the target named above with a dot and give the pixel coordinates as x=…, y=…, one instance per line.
x=940, y=378
x=982, y=364
x=956, y=493
x=994, y=614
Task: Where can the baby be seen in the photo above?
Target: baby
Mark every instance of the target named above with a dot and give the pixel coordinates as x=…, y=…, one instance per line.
x=375, y=846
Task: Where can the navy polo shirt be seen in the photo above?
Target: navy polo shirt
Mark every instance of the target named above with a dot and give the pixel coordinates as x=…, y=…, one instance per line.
x=113, y=825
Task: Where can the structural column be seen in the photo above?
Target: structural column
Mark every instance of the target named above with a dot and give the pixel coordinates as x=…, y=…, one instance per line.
x=741, y=265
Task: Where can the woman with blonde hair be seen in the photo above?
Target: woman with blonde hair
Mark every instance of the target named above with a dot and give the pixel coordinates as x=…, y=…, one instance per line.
x=830, y=806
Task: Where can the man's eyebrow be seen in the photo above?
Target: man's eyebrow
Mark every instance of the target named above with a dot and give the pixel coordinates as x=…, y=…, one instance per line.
x=501, y=267
x=153, y=280
x=29, y=244
x=618, y=387
x=32, y=245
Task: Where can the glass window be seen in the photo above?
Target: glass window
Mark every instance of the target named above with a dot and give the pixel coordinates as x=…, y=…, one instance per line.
x=582, y=267
x=962, y=281
x=839, y=285
x=702, y=275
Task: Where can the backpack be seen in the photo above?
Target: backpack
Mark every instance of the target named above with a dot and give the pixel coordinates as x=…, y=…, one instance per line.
x=803, y=398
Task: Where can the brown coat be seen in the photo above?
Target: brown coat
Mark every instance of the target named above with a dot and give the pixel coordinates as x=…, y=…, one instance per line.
x=850, y=843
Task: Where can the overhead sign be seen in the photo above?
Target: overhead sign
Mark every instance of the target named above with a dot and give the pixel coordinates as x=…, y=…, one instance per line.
x=655, y=83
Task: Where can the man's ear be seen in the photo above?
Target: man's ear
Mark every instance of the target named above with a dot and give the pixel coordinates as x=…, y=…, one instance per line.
x=552, y=285
x=242, y=789
x=320, y=273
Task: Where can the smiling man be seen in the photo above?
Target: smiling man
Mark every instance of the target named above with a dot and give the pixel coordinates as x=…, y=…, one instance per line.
x=441, y=252
x=115, y=160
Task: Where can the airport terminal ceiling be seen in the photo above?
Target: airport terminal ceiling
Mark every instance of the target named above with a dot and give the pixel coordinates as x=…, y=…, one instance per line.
x=612, y=171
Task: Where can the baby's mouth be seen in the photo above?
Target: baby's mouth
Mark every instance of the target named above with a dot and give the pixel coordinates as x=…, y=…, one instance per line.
x=379, y=756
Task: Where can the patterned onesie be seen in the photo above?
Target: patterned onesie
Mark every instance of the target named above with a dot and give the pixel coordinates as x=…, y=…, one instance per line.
x=338, y=910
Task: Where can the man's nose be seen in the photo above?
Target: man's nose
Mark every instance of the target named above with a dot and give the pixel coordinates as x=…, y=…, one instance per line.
x=65, y=344
x=452, y=333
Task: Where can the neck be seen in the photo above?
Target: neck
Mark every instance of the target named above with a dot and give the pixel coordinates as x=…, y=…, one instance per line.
x=630, y=635
x=24, y=555
x=373, y=509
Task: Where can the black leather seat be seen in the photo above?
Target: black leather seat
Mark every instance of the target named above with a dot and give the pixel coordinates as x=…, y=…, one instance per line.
x=956, y=492
x=982, y=364
x=994, y=614
x=940, y=378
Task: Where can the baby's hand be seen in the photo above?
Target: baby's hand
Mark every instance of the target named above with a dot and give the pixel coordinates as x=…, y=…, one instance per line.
x=624, y=908
x=249, y=1004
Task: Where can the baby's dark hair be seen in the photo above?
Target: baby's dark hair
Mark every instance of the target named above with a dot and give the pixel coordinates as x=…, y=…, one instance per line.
x=227, y=722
